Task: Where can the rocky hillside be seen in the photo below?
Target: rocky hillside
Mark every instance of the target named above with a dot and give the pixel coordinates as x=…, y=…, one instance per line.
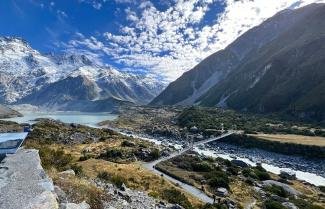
x=23, y=179
x=274, y=67
x=65, y=80
x=6, y=112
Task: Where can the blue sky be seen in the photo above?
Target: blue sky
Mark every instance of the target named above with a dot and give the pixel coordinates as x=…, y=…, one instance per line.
x=163, y=38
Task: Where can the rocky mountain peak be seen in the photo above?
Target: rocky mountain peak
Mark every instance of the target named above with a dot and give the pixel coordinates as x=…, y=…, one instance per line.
x=27, y=76
x=72, y=59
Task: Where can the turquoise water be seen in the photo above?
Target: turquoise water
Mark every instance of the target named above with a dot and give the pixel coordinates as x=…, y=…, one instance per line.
x=88, y=119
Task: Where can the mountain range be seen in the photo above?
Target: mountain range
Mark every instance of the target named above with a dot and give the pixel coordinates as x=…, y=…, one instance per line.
x=66, y=81
x=277, y=66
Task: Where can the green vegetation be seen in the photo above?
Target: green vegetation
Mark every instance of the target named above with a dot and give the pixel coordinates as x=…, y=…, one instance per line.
x=79, y=190
x=322, y=188
x=67, y=146
x=104, y=176
x=270, y=204
x=199, y=171
x=217, y=179
x=303, y=204
x=277, y=190
x=257, y=173
x=214, y=206
x=176, y=197
x=118, y=181
x=211, y=118
x=129, y=154
x=55, y=159
x=77, y=169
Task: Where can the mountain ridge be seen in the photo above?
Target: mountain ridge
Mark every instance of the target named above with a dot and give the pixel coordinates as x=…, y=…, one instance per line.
x=26, y=75
x=271, y=64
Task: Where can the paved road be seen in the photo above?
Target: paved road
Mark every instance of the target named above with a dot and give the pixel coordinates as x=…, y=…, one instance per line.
x=190, y=189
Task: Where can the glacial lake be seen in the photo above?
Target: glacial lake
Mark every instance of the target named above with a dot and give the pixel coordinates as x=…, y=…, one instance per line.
x=83, y=118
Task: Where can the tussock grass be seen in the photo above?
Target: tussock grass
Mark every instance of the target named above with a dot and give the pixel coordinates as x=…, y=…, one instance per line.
x=291, y=138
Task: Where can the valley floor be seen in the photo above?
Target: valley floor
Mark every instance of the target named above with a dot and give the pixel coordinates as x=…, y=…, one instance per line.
x=105, y=168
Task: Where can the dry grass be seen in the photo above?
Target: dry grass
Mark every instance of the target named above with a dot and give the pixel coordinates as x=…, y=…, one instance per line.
x=95, y=148
x=189, y=176
x=291, y=138
x=137, y=177
x=79, y=190
x=242, y=193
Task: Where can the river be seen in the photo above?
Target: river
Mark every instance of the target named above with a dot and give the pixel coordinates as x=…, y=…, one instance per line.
x=272, y=162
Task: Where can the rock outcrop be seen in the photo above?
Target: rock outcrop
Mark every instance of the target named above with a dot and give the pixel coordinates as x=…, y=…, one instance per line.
x=24, y=184
x=127, y=198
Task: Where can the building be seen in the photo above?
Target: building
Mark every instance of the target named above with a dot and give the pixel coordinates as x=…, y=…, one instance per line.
x=10, y=142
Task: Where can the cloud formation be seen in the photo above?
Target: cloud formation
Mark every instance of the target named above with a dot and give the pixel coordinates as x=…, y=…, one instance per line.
x=169, y=42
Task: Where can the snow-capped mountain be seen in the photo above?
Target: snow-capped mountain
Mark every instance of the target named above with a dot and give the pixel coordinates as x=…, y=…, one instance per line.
x=27, y=76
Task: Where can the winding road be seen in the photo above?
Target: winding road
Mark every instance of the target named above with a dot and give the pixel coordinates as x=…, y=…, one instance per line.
x=190, y=189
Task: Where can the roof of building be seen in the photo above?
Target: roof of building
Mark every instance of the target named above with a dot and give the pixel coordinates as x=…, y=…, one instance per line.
x=10, y=142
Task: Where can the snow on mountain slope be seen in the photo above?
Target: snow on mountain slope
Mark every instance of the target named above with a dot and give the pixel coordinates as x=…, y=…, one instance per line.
x=26, y=73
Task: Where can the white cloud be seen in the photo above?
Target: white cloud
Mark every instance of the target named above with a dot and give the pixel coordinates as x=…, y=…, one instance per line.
x=97, y=5
x=173, y=41
x=61, y=14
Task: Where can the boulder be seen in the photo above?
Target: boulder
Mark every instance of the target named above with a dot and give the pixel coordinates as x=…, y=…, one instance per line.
x=175, y=207
x=240, y=163
x=82, y=205
x=222, y=192
x=288, y=174
x=128, y=144
x=62, y=196
x=286, y=187
x=289, y=205
x=68, y=172
x=123, y=187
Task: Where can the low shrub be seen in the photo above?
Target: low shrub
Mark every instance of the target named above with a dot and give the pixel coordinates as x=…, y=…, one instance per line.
x=153, y=194
x=303, y=204
x=277, y=190
x=174, y=196
x=77, y=169
x=262, y=175
x=217, y=179
x=214, y=206
x=257, y=173
x=104, y=176
x=54, y=159
x=322, y=188
x=111, y=153
x=270, y=204
x=126, y=143
x=154, y=154
x=233, y=170
x=201, y=167
x=118, y=181
x=86, y=157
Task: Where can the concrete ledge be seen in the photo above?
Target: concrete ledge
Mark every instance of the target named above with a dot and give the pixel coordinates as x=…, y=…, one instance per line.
x=24, y=184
